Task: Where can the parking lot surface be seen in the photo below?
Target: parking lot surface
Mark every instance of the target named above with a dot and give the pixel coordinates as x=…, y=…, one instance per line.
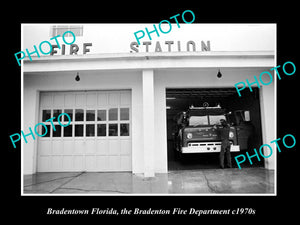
x=255, y=180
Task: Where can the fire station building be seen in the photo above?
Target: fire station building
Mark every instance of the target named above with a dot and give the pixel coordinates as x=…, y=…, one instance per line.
x=121, y=98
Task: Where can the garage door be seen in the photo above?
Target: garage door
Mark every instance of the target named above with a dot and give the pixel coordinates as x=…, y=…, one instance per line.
x=97, y=139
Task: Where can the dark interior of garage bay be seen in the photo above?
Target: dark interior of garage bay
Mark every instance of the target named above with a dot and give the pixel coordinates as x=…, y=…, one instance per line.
x=180, y=99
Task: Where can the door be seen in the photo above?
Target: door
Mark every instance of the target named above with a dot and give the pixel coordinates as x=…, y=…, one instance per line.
x=98, y=137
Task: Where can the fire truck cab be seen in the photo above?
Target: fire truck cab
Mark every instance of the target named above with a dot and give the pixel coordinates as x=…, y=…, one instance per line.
x=197, y=130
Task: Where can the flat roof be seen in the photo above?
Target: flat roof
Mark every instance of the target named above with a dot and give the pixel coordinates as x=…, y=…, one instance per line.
x=150, y=60
x=151, y=55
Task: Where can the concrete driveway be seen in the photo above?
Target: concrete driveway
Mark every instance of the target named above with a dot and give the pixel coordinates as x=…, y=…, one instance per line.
x=206, y=181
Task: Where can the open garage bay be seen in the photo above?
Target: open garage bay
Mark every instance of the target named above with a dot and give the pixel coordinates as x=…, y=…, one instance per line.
x=180, y=99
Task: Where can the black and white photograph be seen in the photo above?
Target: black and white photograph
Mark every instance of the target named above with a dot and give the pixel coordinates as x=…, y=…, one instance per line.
x=178, y=113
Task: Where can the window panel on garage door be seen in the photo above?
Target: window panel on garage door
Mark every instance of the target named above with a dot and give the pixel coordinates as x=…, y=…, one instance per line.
x=99, y=129
x=124, y=123
x=68, y=130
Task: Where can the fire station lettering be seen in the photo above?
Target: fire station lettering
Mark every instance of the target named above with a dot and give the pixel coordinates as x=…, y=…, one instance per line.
x=74, y=49
x=168, y=46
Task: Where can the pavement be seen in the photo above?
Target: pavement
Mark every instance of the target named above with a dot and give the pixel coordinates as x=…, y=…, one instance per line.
x=256, y=180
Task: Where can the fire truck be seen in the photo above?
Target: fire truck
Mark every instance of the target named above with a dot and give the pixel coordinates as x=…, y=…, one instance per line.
x=197, y=130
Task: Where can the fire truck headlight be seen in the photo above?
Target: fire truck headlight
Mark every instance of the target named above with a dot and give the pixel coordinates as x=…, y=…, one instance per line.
x=231, y=134
x=189, y=135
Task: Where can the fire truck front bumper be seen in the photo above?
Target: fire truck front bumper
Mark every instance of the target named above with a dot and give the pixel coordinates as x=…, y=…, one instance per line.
x=206, y=147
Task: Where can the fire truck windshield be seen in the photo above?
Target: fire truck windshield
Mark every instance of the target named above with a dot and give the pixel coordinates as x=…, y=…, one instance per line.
x=198, y=120
x=215, y=119
x=205, y=120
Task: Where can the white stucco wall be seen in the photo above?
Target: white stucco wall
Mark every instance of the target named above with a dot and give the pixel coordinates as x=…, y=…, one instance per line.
x=133, y=80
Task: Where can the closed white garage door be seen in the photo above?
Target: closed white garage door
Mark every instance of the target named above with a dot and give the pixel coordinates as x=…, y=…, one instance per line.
x=97, y=139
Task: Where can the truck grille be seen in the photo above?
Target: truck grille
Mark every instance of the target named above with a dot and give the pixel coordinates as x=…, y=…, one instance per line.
x=207, y=146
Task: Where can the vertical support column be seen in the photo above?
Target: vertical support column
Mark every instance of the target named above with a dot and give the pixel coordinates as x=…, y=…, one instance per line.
x=148, y=122
x=30, y=118
x=268, y=117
